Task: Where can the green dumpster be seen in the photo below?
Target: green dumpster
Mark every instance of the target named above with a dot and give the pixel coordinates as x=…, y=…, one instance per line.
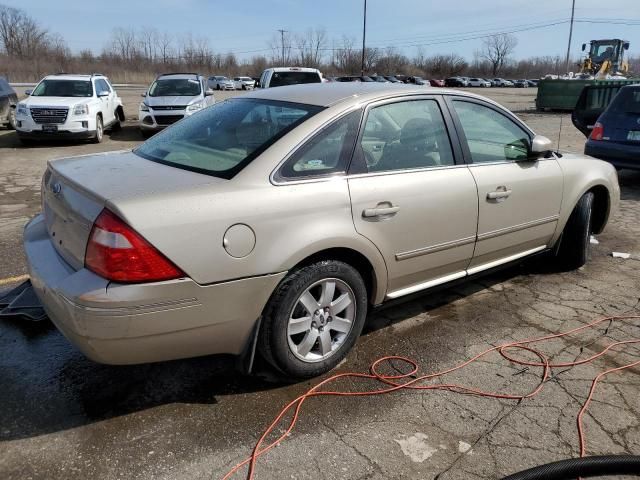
x=563, y=94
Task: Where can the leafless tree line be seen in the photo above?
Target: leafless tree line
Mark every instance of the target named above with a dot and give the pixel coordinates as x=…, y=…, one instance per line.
x=28, y=51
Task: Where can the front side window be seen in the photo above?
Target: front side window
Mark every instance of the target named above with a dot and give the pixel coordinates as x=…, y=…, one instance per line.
x=224, y=138
x=175, y=87
x=491, y=136
x=102, y=86
x=326, y=153
x=404, y=135
x=63, y=88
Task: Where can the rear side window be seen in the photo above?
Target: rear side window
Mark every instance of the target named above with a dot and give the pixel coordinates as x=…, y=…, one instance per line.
x=328, y=152
x=224, y=138
x=405, y=135
x=280, y=79
x=627, y=100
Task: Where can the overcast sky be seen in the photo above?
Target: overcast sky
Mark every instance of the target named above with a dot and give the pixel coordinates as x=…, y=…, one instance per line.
x=245, y=26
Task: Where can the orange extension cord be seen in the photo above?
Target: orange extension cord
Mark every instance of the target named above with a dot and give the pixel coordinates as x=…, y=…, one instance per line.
x=408, y=381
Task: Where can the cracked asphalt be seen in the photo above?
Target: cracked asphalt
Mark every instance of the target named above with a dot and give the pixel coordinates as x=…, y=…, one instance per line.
x=65, y=417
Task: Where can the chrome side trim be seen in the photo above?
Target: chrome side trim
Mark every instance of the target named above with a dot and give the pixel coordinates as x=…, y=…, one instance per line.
x=425, y=285
x=435, y=248
x=517, y=228
x=504, y=260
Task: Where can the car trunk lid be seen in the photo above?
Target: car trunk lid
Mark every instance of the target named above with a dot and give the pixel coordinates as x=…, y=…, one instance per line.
x=75, y=190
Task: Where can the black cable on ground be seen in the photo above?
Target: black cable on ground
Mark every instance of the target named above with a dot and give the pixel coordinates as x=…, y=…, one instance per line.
x=602, y=466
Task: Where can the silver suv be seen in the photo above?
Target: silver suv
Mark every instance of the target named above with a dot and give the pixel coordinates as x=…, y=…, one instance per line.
x=170, y=98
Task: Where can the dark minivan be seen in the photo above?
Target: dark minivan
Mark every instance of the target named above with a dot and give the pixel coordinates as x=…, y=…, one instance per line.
x=611, y=120
x=8, y=101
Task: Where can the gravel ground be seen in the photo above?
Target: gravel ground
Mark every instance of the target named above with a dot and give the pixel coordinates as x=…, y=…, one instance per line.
x=65, y=417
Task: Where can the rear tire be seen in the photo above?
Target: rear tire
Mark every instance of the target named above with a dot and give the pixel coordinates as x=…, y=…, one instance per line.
x=117, y=125
x=575, y=242
x=12, y=119
x=97, y=137
x=309, y=288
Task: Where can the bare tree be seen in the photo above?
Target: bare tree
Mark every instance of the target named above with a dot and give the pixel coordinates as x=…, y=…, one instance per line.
x=21, y=36
x=497, y=49
x=310, y=47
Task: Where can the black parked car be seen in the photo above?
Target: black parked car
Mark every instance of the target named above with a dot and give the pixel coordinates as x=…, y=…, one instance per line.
x=418, y=81
x=455, y=82
x=8, y=101
x=609, y=115
x=354, y=78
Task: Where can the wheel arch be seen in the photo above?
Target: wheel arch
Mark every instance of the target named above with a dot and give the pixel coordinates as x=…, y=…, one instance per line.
x=372, y=277
x=120, y=113
x=601, y=208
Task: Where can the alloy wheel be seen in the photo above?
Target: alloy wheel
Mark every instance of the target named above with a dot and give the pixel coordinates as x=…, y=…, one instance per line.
x=321, y=320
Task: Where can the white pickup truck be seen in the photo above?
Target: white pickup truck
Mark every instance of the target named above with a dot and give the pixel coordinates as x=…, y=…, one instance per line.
x=69, y=106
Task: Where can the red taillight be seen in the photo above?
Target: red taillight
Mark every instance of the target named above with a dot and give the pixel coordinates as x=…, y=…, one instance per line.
x=597, y=132
x=117, y=252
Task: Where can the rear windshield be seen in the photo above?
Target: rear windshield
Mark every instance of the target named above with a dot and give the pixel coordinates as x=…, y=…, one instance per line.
x=280, y=79
x=222, y=139
x=175, y=87
x=63, y=88
x=627, y=100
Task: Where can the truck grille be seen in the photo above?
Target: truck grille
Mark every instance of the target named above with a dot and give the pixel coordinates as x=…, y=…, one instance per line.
x=170, y=107
x=49, y=115
x=168, y=119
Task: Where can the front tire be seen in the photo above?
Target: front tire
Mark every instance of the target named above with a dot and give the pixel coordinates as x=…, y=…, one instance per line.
x=97, y=138
x=575, y=242
x=313, y=318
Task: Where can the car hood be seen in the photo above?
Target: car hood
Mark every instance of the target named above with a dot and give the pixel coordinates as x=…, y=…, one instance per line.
x=55, y=101
x=170, y=101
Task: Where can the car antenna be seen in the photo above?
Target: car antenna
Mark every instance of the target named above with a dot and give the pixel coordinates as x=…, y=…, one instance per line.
x=559, y=134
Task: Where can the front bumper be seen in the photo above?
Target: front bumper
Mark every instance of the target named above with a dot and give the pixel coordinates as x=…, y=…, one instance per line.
x=75, y=127
x=618, y=154
x=139, y=323
x=154, y=121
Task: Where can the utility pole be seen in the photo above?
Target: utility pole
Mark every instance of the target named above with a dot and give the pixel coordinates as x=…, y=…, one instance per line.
x=573, y=11
x=282, y=32
x=364, y=35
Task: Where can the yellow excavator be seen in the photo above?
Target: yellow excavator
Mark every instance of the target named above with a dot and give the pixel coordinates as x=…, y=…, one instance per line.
x=605, y=57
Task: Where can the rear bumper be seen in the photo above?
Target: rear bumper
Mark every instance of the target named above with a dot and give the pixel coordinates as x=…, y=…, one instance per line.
x=127, y=324
x=620, y=155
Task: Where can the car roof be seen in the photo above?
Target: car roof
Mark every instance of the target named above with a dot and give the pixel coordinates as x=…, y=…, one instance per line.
x=294, y=69
x=328, y=94
x=71, y=76
x=180, y=76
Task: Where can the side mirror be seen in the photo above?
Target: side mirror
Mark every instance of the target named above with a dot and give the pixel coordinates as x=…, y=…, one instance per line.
x=208, y=92
x=28, y=92
x=625, y=45
x=584, y=46
x=540, y=146
x=103, y=93
x=143, y=95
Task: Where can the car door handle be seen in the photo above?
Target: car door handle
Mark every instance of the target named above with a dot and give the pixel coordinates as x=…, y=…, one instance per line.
x=379, y=211
x=500, y=193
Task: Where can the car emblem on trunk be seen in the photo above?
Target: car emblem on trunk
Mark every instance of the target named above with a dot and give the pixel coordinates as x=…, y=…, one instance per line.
x=56, y=188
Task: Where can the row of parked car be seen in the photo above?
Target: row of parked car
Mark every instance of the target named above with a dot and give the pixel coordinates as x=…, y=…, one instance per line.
x=486, y=83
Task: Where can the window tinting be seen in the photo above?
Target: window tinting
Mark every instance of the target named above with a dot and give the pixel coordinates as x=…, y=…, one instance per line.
x=63, y=88
x=326, y=153
x=410, y=134
x=279, y=79
x=491, y=136
x=224, y=138
x=627, y=100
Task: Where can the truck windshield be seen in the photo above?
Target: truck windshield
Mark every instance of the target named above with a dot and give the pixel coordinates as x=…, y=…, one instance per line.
x=175, y=87
x=63, y=88
x=222, y=139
